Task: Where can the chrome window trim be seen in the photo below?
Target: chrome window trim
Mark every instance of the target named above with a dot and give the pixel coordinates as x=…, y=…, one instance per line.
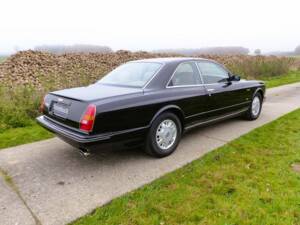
x=190, y=85
x=154, y=75
x=199, y=71
x=183, y=86
x=218, y=64
x=200, y=74
x=216, y=83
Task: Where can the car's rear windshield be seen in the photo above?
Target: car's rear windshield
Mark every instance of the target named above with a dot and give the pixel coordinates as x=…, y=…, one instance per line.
x=135, y=74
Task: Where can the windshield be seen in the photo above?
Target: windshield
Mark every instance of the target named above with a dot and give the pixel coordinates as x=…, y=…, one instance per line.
x=134, y=74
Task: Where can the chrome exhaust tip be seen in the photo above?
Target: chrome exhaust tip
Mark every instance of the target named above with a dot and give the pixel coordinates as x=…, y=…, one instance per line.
x=84, y=152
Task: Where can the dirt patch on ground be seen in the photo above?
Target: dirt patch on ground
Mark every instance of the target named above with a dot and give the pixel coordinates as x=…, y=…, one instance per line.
x=296, y=167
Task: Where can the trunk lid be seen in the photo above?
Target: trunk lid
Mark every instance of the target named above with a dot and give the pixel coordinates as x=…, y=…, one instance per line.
x=96, y=91
x=68, y=106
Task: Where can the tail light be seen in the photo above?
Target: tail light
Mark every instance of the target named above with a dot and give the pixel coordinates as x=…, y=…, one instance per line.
x=42, y=105
x=88, y=118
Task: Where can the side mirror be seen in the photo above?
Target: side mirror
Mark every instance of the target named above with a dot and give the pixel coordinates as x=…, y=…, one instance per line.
x=234, y=78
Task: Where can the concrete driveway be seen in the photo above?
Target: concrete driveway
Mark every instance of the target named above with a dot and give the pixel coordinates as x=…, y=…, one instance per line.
x=53, y=184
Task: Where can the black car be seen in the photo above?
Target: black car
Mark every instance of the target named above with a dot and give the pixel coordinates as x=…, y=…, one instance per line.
x=150, y=102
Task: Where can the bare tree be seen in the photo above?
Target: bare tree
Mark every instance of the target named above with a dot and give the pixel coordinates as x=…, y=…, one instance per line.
x=297, y=50
x=61, y=49
x=230, y=50
x=257, y=52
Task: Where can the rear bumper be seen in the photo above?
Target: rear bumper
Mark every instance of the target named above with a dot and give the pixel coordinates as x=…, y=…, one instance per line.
x=92, y=142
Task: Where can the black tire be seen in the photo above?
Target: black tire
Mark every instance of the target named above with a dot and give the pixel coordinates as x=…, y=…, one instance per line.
x=249, y=115
x=152, y=147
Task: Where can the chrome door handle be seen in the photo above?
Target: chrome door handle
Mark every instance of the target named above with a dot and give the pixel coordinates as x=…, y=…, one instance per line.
x=210, y=90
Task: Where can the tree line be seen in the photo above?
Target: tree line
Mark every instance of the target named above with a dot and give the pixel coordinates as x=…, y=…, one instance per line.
x=77, y=48
x=228, y=50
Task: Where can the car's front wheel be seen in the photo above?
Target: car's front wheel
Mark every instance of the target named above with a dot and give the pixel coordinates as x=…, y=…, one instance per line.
x=255, y=107
x=164, y=135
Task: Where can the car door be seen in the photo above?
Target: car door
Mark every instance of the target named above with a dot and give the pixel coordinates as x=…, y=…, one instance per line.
x=224, y=96
x=187, y=88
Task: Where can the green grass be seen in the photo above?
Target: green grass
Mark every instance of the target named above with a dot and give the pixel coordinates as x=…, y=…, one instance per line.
x=23, y=135
x=248, y=181
x=291, y=77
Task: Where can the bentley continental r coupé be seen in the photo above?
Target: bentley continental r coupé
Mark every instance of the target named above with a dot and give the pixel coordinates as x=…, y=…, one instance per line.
x=150, y=103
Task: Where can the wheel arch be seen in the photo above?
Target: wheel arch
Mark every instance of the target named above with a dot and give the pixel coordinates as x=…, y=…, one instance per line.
x=260, y=91
x=171, y=108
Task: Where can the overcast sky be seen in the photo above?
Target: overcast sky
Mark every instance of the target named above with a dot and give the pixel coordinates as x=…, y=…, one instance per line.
x=151, y=24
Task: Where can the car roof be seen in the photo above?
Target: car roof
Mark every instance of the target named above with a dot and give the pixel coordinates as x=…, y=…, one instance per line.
x=169, y=59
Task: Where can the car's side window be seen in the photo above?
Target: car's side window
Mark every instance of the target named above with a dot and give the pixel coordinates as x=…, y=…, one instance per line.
x=212, y=72
x=185, y=74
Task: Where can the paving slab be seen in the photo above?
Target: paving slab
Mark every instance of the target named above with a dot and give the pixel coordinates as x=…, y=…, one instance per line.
x=59, y=185
x=12, y=209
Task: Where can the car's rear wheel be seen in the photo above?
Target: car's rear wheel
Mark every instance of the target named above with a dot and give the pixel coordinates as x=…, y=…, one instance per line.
x=255, y=107
x=164, y=135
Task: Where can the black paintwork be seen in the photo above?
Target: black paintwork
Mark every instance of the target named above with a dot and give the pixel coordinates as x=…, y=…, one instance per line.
x=126, y=113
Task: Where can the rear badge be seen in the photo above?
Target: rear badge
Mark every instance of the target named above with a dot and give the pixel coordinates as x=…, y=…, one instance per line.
x=60, y=100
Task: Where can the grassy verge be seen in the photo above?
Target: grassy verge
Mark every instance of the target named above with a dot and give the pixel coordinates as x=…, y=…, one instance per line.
x=248, y=181
x=22, y=135
x=291, y=77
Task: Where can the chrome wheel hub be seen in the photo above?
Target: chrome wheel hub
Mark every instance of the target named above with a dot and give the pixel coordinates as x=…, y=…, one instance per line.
x=255, y=106
x=166, y=134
